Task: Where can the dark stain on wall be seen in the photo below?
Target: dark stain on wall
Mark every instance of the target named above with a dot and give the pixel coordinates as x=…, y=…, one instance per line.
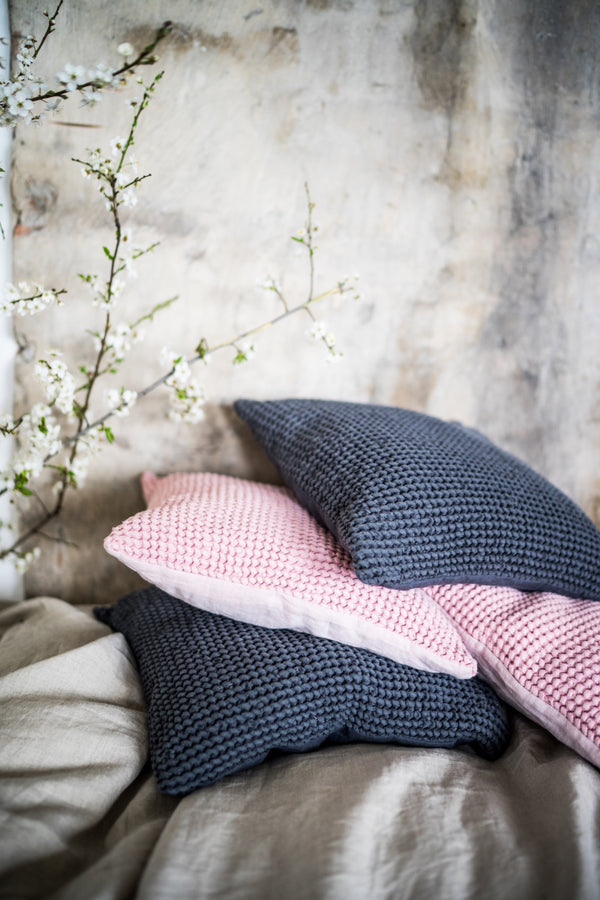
x=440, y=45
x=344, y=5
x=181, y=38
x=549, y=49
x=546, y=53
x=285, y=40
x=444, y=55
x=280, y=43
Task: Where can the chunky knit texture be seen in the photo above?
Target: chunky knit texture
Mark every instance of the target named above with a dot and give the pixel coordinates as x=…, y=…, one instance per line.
x=418, y=501
x=222, y=694
x=540, y=651
x=251, y=552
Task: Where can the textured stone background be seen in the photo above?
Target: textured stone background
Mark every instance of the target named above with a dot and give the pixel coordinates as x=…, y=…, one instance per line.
x=452, y=149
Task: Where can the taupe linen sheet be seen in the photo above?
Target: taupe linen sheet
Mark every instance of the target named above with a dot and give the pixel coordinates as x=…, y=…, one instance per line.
x=80, y=815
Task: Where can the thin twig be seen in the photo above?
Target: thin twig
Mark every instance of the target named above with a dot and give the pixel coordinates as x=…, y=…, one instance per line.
x=49, y=29
x=208, y=351
x=144, y=58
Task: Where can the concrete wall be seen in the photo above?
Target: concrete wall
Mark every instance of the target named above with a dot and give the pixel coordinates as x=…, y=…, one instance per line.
x=452, y=149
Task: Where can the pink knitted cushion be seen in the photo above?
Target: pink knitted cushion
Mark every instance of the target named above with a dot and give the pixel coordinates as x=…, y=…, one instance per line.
x=540, y=651
x=251, y=552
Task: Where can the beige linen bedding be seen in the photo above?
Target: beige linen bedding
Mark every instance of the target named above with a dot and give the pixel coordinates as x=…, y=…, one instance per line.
x=80, y=815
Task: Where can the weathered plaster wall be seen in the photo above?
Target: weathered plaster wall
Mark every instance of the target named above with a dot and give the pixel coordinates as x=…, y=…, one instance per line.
x=452, y=149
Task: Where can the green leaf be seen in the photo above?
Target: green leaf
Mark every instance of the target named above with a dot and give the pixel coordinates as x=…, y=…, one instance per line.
x=109, y=435
x=202, y=348
x=20, y=484
x=107, y=252
x=42, y=426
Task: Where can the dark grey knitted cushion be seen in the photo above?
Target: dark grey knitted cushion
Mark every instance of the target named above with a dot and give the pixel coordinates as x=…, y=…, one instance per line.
x=222, y=694
x=419, y=501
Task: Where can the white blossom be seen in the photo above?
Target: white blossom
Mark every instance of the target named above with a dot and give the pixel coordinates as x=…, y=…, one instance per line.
x=125, y=49
x=97, y=287
x=88, y=446
x=186, y=404
x=90, y=96
x=38, y=438
x=6, y=422
x=118, y=341
x=117, y=286
x=133, y=163
x=245, y=352
x=57, y=381
x=7, y=481
x=79, y=469
x=120, y=402
x=187, y=396
x=71, y=76
x=20, y=103
x=26, y=299
x=181, y=373
x=16, y=106
x=129, y=264
x=104, y=295
x=128, y=198
x=117, y=145
x=101, y=75
x=269, y=284
x=318, y=330
x=26, y=51
x=23, y=561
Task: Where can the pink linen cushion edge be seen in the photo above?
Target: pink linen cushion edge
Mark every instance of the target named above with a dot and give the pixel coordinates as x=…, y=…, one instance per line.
x=249, y=551
x=539, y=651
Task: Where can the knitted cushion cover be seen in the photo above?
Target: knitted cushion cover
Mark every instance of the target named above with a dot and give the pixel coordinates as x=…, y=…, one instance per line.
x=222, y=694
x=251, y=552
x=541, y=652
x=418, y=501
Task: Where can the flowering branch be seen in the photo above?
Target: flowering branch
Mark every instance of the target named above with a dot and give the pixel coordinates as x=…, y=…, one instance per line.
x=27, y=97
x=203, y=350
x=38, y=432
x=49, y=29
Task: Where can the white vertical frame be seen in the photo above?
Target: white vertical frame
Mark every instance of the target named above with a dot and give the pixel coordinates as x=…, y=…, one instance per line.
x=11, y=584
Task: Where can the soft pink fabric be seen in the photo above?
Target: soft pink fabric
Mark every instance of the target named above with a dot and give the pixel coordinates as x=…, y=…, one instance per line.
x=540, y=651
x=251, y=552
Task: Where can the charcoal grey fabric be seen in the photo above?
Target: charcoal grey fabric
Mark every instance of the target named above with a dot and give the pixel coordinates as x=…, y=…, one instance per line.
x=416, y=500
x=222, y=694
